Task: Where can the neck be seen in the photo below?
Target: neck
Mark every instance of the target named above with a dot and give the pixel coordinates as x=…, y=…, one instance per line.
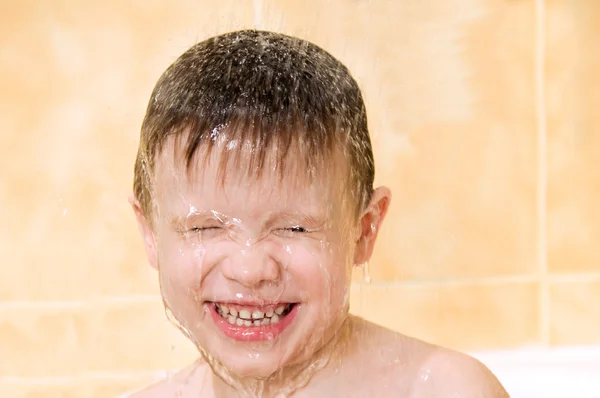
x=288, y=379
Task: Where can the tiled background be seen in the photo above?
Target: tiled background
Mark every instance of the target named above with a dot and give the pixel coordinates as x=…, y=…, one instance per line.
x=485, y=119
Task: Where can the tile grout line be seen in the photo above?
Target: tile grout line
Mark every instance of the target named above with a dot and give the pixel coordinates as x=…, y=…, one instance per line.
x=88, y=376
x=574, y=278
x=498, y=280
x=542, y=180
x=79, y=304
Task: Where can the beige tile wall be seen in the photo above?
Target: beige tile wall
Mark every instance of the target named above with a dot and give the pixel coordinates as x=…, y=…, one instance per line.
x=485, y=122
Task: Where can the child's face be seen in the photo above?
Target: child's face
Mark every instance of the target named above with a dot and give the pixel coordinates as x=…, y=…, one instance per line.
x=257, y=247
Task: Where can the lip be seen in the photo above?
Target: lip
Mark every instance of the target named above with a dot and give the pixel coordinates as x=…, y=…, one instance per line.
x=251, y=333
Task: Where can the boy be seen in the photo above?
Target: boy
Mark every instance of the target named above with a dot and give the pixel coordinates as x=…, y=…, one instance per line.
x=254, y=194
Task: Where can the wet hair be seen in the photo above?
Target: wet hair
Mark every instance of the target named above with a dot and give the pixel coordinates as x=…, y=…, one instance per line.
x=260, y=90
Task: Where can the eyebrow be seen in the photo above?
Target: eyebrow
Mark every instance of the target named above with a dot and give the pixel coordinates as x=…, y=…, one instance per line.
x=178, y=220
x=296, y=215
x=285, y=215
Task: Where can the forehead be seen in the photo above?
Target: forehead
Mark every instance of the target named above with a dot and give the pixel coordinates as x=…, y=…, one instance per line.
x=236, y=186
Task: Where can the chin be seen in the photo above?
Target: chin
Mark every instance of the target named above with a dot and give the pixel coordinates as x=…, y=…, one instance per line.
x=261, y=366
x=257, y=361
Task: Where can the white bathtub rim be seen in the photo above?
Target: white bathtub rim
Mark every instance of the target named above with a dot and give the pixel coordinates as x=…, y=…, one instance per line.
x=578, y=354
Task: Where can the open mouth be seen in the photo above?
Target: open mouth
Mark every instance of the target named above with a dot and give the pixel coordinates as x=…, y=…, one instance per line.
x=252, y=323
x=253, y=316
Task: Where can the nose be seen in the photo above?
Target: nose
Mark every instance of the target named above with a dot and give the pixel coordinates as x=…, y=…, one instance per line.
x=251, y=266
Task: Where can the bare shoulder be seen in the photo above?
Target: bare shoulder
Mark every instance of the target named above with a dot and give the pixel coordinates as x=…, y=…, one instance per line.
x=189, y=382
x=410, y=367
x=451, y=372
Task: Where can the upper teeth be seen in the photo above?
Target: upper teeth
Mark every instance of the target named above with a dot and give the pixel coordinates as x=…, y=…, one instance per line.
x=247, y=315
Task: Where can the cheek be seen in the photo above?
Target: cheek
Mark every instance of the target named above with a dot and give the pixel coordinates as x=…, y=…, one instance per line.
x=180, y=263
x=323, y=271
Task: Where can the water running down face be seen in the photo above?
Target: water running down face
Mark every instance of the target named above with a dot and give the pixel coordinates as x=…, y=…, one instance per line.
x=256, y=272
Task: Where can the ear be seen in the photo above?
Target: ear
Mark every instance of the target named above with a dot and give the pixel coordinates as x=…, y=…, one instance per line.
x=370, y=223
x=146, y=230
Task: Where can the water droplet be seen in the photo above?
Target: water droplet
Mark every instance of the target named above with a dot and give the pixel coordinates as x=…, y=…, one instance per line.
x=366, y=272
x=192, y=210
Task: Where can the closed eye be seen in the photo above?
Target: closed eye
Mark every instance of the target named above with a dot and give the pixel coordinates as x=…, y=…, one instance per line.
x=291, y=232
x=200, y=229
x=202, y=233
x=297, y=229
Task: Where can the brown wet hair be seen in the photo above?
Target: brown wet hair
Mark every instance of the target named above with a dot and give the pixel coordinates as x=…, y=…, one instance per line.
x=264, y=91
